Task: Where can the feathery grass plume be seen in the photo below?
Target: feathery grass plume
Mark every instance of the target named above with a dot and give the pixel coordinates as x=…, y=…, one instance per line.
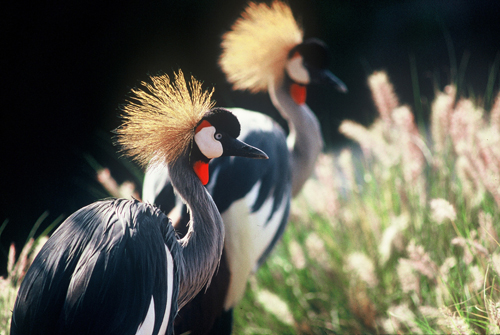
x=401, y=319
x=421, y=260
x=462, y=242
x=473, y=190
x=454, y=322
x=429, y=311
x=347, y=167
x=495, y=262
x=393, y=138
x=472, y=247
x=383, y=95
x=408, y=279
x=393, y=237
x=16, y=270
x=126, y=190
x=466, y=123
x=159, y=121
x=371, y=141
x=441, y=112
x=448, y=264
x=442, y=290
x=316, y=249
x=493, y=309
x=363, y=267
x=274, y=305
x=297, y=255
x=412, y=158
x=319, y=191
x=495, y=113
x=245, y=62
x=442, y=210
x=108, y=182
x=487, y=231
x=476, y=280
x=477, y=145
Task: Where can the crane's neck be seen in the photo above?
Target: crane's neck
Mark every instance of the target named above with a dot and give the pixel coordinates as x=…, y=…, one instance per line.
x=305, y=141
x=202, y=245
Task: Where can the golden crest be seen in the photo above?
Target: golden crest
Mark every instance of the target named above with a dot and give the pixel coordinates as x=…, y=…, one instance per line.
x=256, y=48
x=159, y=120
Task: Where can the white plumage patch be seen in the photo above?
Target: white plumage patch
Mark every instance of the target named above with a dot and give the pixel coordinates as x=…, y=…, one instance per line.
x=148, y=325
x=248, y=239
x=208, y=145
x=296, y=70
x=170, y=286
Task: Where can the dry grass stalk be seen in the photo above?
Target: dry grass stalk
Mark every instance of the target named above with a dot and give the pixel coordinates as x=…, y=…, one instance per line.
x=394, y=137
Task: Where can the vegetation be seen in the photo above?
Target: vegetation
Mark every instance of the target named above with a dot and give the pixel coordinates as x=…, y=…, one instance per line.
x=399, y=237
x=16, y=269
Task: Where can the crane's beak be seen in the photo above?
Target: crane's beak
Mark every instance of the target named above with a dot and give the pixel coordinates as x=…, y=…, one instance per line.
x=234, y=147
x=325, y=77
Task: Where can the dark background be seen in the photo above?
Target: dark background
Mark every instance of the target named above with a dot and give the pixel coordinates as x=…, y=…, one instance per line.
x=66, y=68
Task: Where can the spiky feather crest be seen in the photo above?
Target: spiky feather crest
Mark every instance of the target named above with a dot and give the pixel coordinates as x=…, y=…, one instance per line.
x=256, y=48
x=159, y=122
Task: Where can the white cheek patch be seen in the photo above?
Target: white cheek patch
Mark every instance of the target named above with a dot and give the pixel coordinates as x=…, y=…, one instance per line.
x=297, y=71
x=207, y=143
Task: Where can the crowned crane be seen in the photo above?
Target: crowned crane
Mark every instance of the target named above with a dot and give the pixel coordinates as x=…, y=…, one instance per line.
x=264, y=51
x=117, y=266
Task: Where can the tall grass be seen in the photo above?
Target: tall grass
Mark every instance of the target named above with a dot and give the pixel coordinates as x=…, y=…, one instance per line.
x=401, y=238
x=17, y=266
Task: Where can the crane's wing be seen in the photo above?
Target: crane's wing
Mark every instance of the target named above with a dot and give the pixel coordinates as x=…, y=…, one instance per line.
x=108, y=269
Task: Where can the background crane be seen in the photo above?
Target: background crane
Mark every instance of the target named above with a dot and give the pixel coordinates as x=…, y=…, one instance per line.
x=116, y=266
x=264, y=51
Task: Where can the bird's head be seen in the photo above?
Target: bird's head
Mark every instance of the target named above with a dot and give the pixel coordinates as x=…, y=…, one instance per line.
x=216, y=136
x=266, y=45
x=307, y=64
x=169, y=119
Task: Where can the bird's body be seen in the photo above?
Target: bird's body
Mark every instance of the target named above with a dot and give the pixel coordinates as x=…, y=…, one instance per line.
x=264, y=51
x=117, y=266
x=86, y=273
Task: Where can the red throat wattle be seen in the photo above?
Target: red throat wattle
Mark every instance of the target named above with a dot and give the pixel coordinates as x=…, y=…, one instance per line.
x=298, y=93
x=201, y=170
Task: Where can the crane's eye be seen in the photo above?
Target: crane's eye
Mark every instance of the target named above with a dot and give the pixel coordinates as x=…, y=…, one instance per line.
x=218, y=136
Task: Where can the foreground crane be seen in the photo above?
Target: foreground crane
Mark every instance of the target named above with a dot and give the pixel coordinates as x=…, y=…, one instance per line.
x=117, y=266
x=264, y=51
